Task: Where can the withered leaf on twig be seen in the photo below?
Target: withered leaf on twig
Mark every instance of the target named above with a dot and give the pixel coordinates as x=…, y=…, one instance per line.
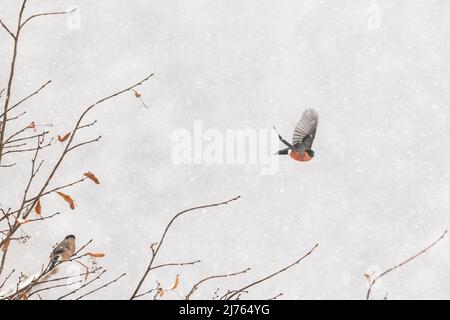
x=96, y=254
x=68, y=199
x=6, y=245
x=38, y=207
x=368, y=277
x=23, y=221
x=32, y=125
x=161, y=292
x=92, y=177
x=63, y=138
x=176, y=283
x=136, y=94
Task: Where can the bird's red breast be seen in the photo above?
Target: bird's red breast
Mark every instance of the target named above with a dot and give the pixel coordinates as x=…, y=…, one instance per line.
x=304, y=156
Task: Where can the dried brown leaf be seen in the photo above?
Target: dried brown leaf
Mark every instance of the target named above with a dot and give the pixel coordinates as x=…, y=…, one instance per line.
x=96, y=254
x=92, y=177
x=63, y=138
x=6, y=245
x=176, y=283
x=68, y=199
x=136, y=94
x=38, y=207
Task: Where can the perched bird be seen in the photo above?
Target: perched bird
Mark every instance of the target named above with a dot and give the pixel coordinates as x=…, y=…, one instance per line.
x=64, y=250
x=303, y=138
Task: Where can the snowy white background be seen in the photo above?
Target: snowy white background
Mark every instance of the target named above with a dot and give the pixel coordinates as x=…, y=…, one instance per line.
x=376, y=193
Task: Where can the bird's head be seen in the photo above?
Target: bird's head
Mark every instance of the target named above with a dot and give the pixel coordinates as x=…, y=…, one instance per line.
x=70, y=237
x=310, y=153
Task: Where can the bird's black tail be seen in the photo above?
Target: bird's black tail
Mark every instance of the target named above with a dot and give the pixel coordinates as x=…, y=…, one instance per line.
x=283, y=152
x=53, y=262
x=287, y=144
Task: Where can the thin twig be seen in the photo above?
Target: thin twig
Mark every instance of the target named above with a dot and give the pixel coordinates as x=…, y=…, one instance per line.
x=7, y=29
x=87, y=125
x=83, y=286
x=175, y=264
x=8, y=165
x=29, y=149
x=195, y=286
x=44, y=218
x=17, y=117
x=7, y=277
x=236, y=292
x=40, y=135
x=84, y=143
x=28, y=97
x=57, y=189
x=144, y=293
x=17, y=133
x=55, y=286
x=101, y=287
x=2, y=262
x=372, y=283
x=46, y=14
x=161, y=241
x=276, y=297
x=71, y=277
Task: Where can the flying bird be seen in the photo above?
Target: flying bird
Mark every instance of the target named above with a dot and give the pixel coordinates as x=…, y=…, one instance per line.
x=303, y=138
x=64, y=250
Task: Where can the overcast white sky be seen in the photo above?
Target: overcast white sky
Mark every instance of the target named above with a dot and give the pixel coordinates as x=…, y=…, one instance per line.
x=377, y=191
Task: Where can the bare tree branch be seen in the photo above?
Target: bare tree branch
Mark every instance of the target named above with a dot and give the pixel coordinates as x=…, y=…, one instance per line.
x=40, y=135
x=175, y=264
x=84, y=143
x=71, y=277
x=195, y=286
x=28, y=149
x=54, y=287
x=2, y=261
x=45, y=14
x=83, y=286
x=7, y=30
x=17, y=117
x=10, y=80
x=10, y=138
x=161, y=241
x=8, y=165
x=276, y=297
x=236, y=292
x=57, y=189
x=14, y=142
x=44, y=218
x=372, y=283
x=101, y=287
x=87, y=125
x=28, y=97
x=67, y=149
x=7, y=277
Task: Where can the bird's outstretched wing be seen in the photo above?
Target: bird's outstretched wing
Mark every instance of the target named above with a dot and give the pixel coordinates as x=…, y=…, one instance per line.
x=305, y=130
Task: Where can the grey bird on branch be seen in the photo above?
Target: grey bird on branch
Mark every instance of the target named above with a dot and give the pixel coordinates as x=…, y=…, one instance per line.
x=63, y=251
